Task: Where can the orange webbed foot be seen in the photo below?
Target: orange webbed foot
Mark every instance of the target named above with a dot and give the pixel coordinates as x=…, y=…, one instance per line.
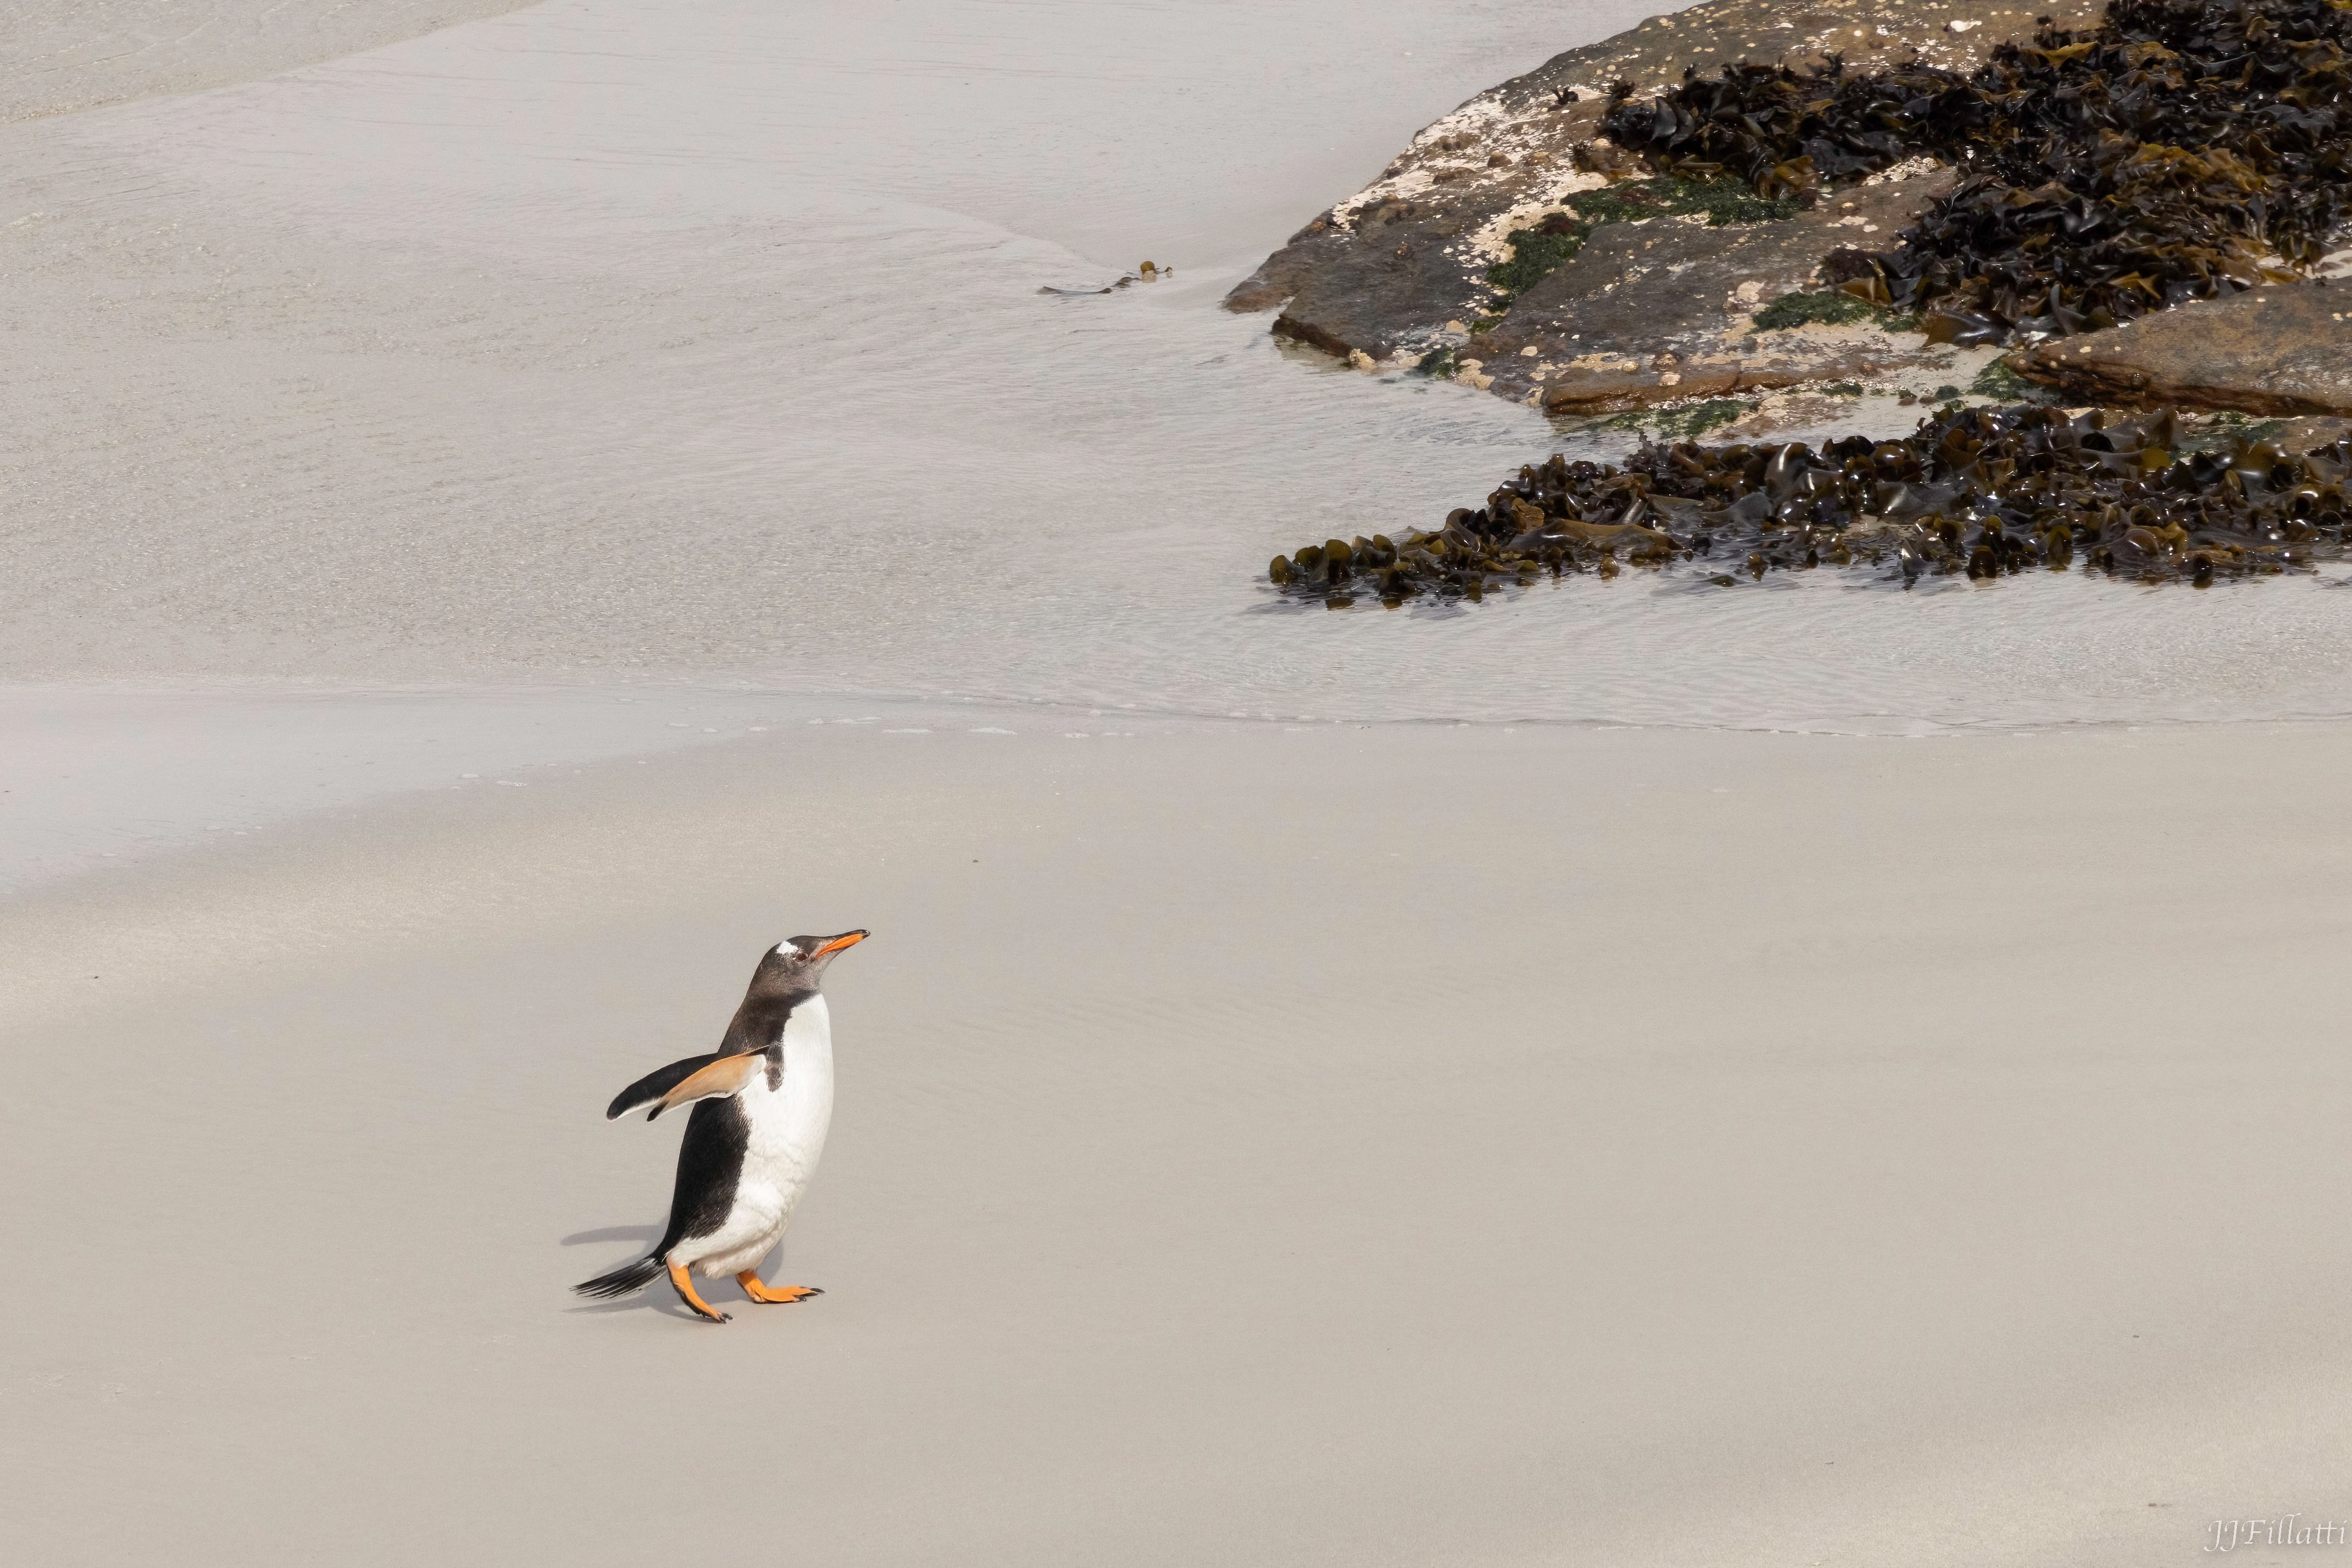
x=685, y=1288
x=779, y=1296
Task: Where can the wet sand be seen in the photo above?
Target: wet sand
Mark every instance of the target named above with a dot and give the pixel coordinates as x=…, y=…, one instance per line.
x=1334, y=1146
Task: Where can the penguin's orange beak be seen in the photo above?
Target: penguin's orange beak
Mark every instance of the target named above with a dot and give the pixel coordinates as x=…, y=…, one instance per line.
x=846, y=939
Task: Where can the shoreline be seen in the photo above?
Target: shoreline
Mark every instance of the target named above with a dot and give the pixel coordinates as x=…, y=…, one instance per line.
x=256, y=756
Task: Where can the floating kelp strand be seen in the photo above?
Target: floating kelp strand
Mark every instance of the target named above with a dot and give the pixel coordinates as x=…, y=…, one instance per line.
x=1987, y=492
x=2182, y=150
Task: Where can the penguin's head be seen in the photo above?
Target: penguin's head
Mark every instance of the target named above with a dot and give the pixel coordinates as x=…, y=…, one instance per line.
x=797, y=962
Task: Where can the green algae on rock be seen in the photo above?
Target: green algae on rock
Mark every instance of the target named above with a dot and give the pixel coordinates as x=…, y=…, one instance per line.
x=1540, y=249
x=1822, y=307
x=1980, y=492
x=1661, y=309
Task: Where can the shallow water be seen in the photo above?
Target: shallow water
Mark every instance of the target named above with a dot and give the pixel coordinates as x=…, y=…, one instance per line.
x=609, y=342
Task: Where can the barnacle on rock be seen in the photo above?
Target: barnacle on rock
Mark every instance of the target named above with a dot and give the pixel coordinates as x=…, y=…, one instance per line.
x=1988, y=492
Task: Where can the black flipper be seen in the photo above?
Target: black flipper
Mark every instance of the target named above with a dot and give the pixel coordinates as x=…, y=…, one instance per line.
x=648, y=1089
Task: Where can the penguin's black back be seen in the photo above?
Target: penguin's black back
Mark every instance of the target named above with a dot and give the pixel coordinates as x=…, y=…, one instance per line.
x=709, y=1169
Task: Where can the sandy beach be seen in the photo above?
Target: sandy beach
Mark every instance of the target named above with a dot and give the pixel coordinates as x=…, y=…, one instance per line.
x=506, y=525
x=1262, y=1146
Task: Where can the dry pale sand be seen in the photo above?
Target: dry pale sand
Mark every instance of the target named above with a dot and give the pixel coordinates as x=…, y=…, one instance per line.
x=1255, y=1147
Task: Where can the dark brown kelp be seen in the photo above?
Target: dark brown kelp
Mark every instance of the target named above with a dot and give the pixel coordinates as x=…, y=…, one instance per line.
x=2182, y=150
x=1984, y=491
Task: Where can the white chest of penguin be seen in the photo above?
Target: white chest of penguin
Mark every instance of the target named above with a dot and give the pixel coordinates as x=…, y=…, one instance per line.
x=783, y=1135
x=786, y=1125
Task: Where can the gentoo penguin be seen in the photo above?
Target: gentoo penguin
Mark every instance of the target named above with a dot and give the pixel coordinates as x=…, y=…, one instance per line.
x=762, y=1102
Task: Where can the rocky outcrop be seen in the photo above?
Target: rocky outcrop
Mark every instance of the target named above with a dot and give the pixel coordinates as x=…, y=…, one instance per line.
x=1400, y=270
x=2278, y=351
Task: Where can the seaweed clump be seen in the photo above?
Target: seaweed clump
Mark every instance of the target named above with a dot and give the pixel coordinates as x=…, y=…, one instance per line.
x=1983, y=492
x=1543, y=248
x=2182, y=150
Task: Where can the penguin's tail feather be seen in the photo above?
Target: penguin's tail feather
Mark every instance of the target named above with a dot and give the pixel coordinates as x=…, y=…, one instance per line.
x=622, y=1281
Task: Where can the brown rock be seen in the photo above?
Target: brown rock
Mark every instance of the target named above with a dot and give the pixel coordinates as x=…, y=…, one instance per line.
x=2285, y=351
x=1311, y=248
